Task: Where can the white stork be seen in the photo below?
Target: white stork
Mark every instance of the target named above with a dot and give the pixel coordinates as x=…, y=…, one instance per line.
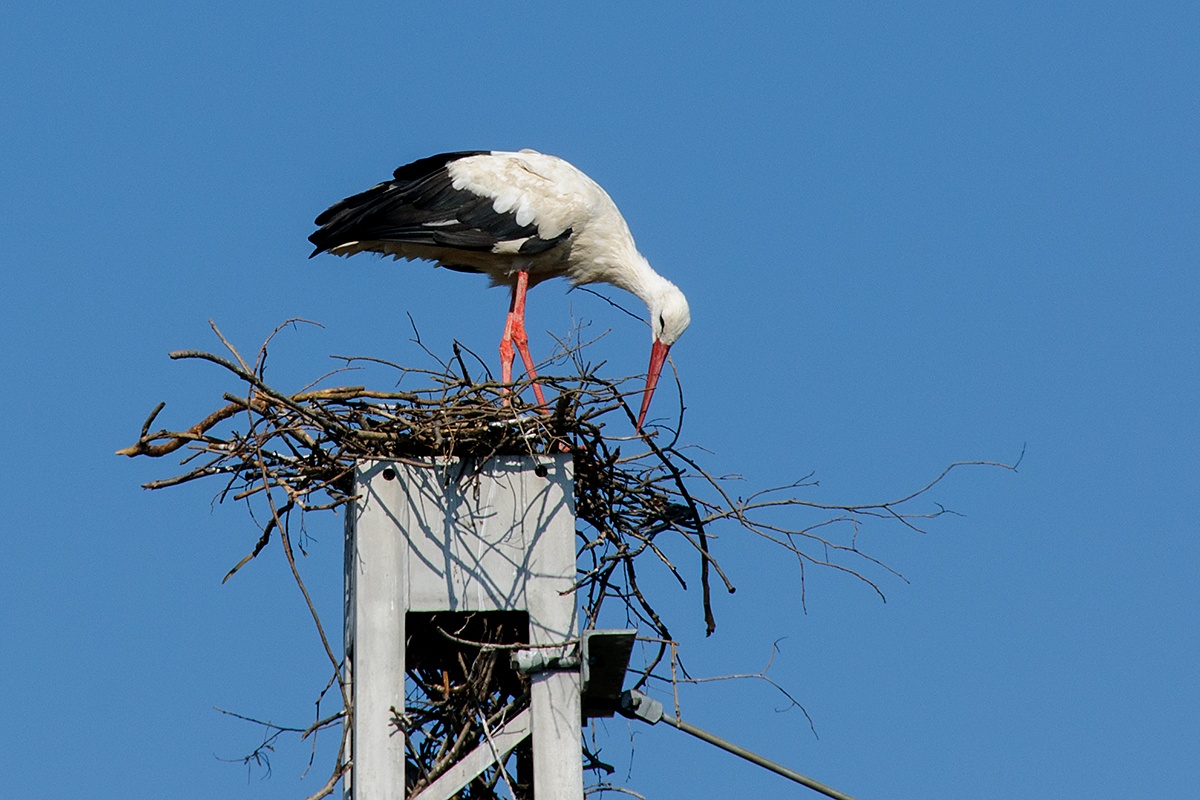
x=520, y=218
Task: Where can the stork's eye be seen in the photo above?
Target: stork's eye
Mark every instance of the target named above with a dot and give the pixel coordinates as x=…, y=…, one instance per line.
x=662, y=322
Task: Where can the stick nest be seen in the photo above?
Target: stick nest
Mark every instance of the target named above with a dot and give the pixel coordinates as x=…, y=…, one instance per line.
x=640, y=499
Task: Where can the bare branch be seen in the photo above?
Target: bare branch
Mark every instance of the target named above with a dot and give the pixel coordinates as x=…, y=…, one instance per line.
x=644, y=507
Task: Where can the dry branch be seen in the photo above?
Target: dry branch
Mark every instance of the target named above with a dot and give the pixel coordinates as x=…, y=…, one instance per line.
x=639, y=503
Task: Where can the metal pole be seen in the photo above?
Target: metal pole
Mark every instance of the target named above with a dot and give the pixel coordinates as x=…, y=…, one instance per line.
x=637, y=705
x=755, y=758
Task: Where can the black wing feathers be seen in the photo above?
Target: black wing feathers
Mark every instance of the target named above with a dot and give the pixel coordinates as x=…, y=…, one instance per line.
x=536, y=244
x=421, y=206
x=423, y=167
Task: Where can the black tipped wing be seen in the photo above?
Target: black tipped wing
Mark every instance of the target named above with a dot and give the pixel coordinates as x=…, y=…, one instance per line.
x=420, y=206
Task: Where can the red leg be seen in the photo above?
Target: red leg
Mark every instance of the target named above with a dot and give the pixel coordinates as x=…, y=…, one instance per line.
x=506, y=346
x=514, y=333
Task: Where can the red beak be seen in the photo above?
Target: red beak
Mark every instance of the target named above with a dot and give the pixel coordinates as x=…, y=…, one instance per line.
x=658, y=354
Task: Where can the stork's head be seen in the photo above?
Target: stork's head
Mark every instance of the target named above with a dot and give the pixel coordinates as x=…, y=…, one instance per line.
x=669, y=318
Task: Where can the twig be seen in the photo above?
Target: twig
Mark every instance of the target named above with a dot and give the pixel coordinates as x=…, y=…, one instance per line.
x=295, y=453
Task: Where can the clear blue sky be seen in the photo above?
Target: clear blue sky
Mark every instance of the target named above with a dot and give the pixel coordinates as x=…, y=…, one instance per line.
x=908, y=237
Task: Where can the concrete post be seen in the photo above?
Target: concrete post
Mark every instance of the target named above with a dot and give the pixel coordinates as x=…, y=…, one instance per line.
x=426, y=538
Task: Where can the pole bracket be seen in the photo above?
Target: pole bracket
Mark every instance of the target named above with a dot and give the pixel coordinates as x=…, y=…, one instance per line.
x=530, y=662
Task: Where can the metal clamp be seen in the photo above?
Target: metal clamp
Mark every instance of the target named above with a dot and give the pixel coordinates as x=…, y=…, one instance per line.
x=636, y=705
x=528, y=662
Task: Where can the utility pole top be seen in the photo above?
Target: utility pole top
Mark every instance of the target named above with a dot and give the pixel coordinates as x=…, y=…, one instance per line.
x=458, y=537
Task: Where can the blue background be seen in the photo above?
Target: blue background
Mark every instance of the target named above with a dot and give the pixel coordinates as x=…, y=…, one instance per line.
x=909, y=236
